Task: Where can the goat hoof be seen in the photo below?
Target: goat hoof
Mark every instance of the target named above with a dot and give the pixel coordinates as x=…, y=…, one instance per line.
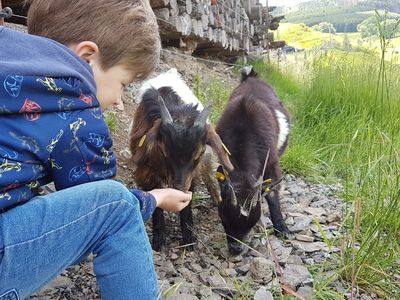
x=189, y=244
x=158, y=243
x=281, y=230
x=235, y=248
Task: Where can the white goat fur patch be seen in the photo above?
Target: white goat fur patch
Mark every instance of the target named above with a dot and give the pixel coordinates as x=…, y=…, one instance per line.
x=172, y=79
x=283, y=128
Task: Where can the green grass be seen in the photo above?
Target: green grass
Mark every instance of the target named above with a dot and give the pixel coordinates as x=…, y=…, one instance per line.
x=111, y=120
x=213, y=91
x=347, y=128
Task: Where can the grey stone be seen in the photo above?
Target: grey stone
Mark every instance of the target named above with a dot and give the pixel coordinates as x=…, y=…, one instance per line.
x=204, y=277
x=196, y=268
x=300, y=223
x=294, y=260
x=261, y=268
x=216, y=281
x=320, y=203
x=228, y=272
x=308, y=247
x=263, y=294
x=243, y=269
x=306, y=292
x=315, y=211
x=295, y=275
x=182, y=296
x=284, y=255
x=304, y=238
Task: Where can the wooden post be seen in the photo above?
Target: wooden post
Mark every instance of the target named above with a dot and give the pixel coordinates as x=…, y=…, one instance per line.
x=1, y=19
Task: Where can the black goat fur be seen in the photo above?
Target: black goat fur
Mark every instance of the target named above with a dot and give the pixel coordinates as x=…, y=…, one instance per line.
x=250, y=129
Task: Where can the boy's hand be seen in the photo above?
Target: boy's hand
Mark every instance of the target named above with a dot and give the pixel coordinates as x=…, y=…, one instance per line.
x=171, y=200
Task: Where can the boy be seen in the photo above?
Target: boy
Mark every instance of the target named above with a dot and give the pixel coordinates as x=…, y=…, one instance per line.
x=52, y=129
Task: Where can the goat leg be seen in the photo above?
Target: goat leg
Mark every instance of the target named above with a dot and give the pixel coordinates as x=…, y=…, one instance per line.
x=159, y=235
x=280, y=227
x=186, y=217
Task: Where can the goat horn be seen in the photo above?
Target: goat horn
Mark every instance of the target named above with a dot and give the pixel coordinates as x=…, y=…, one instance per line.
x=256, y=199
x=234, y=202
x=165, y=115
x=202, y=117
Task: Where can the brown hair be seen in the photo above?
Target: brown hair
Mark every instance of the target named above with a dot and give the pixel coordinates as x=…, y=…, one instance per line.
x=125, y=31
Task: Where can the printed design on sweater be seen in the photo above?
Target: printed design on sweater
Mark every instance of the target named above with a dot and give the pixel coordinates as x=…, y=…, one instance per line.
x=109, y=173
x=106, y=155
x=50, y=149
x=33, y=185
x=87, y=99
x=5, y=196
x=50, y=84
x=27, y=142
x=96, y=140
x=31, y=110
x=74, y=127
x=13, y=84
x=8, y=154
x=3, y=109
x=54, y=141
x=65, y=107
x=96, y=113
x=77, y=172
x=7, y=166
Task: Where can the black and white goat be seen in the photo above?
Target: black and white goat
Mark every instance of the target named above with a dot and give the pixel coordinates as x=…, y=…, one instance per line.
x=255, y=128
x=168, y=140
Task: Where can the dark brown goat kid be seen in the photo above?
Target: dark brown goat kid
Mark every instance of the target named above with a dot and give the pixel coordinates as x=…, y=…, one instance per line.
x=168, y=141
x=255, y=127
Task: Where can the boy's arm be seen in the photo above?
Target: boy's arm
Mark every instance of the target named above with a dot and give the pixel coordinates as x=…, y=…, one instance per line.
x=81, y=153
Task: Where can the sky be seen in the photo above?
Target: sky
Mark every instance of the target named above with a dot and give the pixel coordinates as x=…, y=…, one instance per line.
x=283, y=2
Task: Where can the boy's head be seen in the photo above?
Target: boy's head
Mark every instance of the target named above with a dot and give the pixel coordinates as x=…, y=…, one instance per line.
x=111, y=35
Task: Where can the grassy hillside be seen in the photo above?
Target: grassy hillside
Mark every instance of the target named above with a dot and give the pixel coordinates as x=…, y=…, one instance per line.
x=301, y=36
x=345, y=17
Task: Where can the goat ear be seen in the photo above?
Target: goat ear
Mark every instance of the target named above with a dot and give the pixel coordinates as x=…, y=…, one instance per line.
x=146, y=142
x=216, y=144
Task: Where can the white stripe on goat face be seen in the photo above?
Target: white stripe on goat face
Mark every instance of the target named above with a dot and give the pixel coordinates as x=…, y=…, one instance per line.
x=283, y=128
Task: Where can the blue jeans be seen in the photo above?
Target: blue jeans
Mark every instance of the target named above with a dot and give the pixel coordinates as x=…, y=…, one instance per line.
x=41, y=238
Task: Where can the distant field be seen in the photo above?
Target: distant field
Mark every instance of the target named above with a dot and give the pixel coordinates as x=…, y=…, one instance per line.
x=303, y=37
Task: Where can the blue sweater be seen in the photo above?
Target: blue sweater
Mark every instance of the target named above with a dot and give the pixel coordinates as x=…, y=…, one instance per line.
x=51, y=123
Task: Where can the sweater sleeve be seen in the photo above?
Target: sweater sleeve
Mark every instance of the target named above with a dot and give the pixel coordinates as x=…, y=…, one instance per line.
x=147, y=203
x=82, y=153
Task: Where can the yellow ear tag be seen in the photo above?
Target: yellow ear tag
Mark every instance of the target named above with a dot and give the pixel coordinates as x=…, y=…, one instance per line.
x=220, y=176
x=267, y=189
x=226, y=149
x=141, y=142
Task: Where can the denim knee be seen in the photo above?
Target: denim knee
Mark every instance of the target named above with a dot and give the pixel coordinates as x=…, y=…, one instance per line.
x=116, y=191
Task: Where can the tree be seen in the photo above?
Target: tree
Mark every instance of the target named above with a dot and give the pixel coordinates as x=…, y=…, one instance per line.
x=369, y=27
x=391, y=29
x=326, y=27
